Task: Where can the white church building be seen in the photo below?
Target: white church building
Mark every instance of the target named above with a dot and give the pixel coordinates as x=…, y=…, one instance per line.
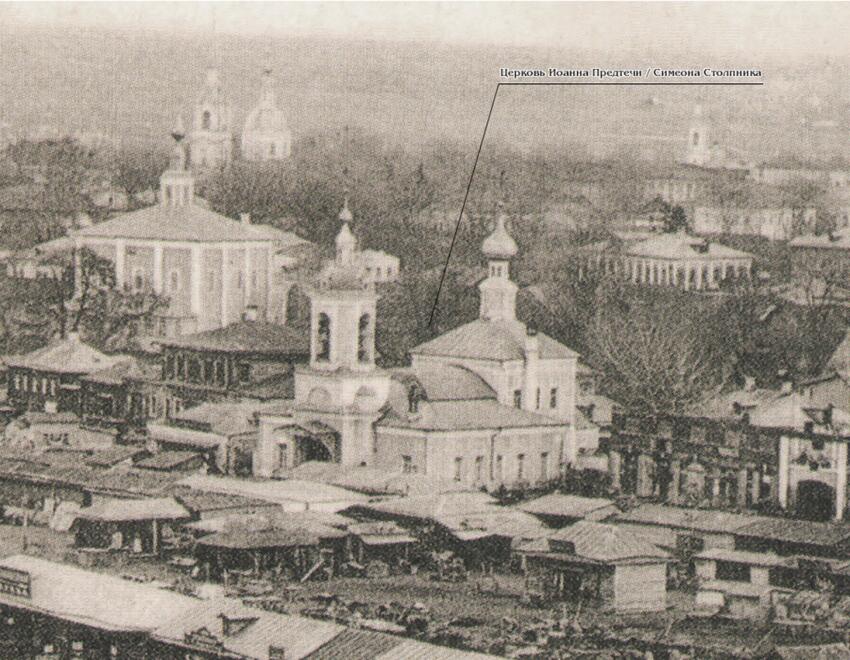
x=489, y=403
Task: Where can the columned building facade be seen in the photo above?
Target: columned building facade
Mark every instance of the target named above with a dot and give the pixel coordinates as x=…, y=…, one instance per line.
x=209, y=267
x=668, y=260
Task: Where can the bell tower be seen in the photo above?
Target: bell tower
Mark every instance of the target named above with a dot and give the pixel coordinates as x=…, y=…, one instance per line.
x=497, y=291
x=699, y=147
x=343, y=388
x=343, y=309
x=211, y=141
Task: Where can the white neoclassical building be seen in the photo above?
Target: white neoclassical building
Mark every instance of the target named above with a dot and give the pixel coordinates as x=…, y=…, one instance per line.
x=266, y=135
x=211, y=268
x=670, y=260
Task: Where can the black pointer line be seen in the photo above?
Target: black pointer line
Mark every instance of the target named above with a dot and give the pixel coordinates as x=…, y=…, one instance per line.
x=547, y=84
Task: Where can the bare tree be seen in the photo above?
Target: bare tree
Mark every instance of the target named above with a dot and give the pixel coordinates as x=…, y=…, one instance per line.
x=655, y=359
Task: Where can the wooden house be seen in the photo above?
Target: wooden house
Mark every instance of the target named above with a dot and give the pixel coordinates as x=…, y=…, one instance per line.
x=603, y=564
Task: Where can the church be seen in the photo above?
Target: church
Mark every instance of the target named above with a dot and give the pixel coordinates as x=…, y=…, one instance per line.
x=488, y=404
x=210, y=267
x=213, y=143
x=266, y=136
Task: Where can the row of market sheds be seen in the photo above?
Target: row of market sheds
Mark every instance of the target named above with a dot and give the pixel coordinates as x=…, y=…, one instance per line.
x=66, y=610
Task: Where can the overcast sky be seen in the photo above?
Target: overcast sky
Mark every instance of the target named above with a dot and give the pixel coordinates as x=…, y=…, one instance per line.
x=753, y=30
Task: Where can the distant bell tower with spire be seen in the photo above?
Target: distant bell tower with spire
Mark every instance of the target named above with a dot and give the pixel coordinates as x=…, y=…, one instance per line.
x=211, y=139
x=699, y=148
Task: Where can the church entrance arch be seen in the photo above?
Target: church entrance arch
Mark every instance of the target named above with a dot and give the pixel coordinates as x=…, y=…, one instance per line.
x=316, y=441
x=815, y=500
x=313, y=449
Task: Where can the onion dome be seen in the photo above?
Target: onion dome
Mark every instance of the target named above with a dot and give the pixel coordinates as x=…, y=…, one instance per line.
x=346, y=242
x=499, y=244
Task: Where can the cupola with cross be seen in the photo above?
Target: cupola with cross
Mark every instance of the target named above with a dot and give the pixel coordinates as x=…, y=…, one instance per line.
x=498, y=292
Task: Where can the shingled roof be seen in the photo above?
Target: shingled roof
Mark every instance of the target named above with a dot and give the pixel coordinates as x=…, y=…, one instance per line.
x=247, y=337
x=66, y=356
x=598, y=542
x=182, y=223
x=491, y=340
x=681, y=246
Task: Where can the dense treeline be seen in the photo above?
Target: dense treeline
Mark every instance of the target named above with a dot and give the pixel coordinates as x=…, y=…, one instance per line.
x=656, y=349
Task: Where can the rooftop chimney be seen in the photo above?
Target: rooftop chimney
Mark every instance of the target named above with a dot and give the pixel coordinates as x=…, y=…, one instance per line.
x=235, y=624
x=245, y=218
x=827, y=415
x=73, y=336
x=749, y=383
x=787, y=386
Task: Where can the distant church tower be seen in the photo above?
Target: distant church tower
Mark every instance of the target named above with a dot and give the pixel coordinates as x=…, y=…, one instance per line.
x=699, y=147
x=266, y=135
x=497, y=291
x=211, y=139
x=343, y=389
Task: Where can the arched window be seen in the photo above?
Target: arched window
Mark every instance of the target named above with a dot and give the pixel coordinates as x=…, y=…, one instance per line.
x=364, y=336
x=138, y=280
x=271, y=149
x=206, y=120
x=696, y=139
x=323, y=338
x=174, y=281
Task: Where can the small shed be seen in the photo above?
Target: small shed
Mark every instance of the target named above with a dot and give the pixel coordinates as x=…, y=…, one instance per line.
x=559, y=510
x=135, y=525
x=293, y=544
x=379, y=541
x=601, y=563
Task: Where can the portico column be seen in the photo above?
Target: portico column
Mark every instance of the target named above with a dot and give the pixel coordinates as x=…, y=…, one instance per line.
x=633, y=270
x=614, y=466
x=710, y=275
x=225, y=286
x=196, y=282
x=687, y=276
x=644, y=484
x=742, y=488
x=782, y=476
x=248, y=266
x=699, y=277
x=840, y=480
x=120, y=253
x=157, y=268
x=756, y=486
x=715, y=486
x=675, y=482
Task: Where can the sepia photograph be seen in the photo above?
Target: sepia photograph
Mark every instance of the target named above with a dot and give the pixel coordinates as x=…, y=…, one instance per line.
x=424, y=330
